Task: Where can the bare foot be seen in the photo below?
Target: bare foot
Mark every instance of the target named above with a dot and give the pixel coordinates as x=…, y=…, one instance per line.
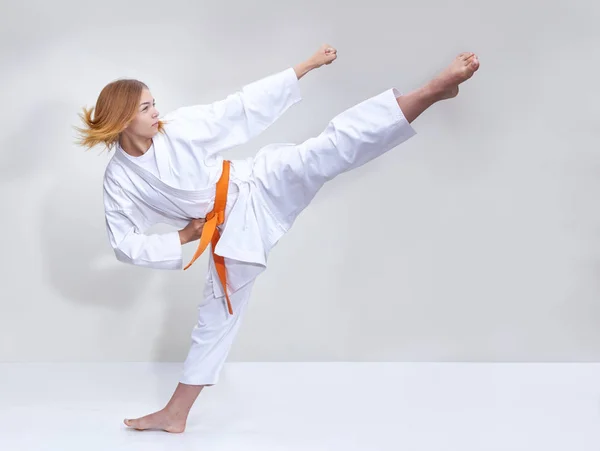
x=162, y=420
x=445, y=85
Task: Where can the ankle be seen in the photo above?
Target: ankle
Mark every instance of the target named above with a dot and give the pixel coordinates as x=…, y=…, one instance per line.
x=176, y=411
x=432, y=92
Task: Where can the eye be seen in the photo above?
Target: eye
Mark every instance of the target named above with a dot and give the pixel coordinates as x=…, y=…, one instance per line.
x=146, y=108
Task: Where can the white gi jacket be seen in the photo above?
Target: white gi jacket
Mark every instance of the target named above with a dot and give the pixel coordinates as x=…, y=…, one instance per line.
x=189, y=165
x=266, y=192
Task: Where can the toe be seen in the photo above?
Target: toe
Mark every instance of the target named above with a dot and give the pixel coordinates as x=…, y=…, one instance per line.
x=133, y=423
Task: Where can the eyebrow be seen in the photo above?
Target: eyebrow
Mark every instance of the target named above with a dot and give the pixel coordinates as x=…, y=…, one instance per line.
x=147, y=103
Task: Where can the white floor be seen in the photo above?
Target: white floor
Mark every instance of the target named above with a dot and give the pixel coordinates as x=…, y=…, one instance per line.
x=300, y=406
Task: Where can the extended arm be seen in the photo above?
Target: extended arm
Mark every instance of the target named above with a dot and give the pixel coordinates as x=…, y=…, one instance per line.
x=226, y=123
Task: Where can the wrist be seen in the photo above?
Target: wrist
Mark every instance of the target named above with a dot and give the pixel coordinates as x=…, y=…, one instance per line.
x=303, y=68
x=311, y=64
x=183, y=238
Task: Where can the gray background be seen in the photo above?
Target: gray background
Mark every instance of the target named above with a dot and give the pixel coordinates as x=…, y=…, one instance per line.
x=485, y=228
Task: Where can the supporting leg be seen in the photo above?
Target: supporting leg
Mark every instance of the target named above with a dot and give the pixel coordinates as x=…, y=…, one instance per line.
x=212, y=339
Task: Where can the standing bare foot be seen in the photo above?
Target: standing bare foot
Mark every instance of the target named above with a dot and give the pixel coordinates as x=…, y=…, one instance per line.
x=173, y=417
x=445, y=85
x=162, y=420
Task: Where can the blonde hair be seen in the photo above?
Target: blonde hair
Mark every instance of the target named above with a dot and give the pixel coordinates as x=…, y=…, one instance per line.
x=116, y=107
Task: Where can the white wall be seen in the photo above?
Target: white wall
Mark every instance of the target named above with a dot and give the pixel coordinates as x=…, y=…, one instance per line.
x=485, y=242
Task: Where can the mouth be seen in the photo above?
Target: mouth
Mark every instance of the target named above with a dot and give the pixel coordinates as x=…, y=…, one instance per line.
x=155, y=124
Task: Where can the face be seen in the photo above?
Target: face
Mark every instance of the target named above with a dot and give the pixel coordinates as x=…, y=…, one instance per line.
x=145, y=123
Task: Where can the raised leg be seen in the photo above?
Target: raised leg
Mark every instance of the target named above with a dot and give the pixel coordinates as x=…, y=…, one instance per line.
x=289, y=176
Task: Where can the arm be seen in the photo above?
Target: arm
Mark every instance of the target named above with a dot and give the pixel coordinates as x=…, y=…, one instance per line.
x=125, y=225
x=226, y=123
x=126, y=222
x=130, y=245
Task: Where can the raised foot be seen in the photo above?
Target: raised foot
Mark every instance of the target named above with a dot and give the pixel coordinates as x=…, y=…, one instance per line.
x=445, y=85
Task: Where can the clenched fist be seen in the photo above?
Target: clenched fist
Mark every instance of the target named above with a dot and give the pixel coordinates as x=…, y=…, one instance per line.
x=325, y=55
x=192, y=231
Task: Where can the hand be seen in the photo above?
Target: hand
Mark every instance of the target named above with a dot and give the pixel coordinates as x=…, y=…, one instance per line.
x=325, y=55
x=192, y=231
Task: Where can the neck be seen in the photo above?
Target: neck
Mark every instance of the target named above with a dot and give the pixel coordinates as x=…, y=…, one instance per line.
x=134, y=145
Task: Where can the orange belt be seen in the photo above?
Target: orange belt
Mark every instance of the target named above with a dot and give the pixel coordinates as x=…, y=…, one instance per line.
x=210, y=233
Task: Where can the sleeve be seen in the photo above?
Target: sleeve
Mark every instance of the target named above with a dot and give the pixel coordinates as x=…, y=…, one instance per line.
x=239, y=117
x=125, y=223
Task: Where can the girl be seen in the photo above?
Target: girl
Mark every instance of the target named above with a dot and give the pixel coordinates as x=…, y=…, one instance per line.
x=170, y=171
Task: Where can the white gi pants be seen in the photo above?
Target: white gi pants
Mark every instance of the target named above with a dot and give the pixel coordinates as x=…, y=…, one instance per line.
x=287, y=178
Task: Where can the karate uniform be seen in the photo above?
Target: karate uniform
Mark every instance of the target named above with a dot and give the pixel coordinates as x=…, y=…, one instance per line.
x=174, y=182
